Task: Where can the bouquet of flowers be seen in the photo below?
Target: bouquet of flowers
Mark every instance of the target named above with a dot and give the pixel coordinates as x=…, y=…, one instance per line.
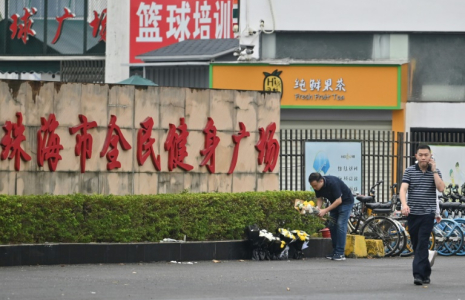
x=265, y=246
x=306, y=207
x=309, y=207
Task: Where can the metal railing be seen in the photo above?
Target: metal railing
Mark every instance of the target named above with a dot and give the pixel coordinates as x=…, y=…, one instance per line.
x=385, y=154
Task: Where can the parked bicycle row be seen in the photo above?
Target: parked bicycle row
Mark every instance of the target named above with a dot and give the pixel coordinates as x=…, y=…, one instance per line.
x=383, y=221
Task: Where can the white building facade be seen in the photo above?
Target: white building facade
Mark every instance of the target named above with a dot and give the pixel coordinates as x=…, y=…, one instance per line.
x=428, y=35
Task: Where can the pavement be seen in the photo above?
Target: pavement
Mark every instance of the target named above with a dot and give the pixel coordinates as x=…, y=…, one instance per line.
x=313, y=278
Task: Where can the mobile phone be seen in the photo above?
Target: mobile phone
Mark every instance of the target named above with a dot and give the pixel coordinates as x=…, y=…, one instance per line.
x=432, y=158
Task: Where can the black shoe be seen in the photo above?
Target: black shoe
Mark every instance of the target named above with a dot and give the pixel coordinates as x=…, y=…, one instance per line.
x=418, y=281
x=427, y=280
x=339, y=257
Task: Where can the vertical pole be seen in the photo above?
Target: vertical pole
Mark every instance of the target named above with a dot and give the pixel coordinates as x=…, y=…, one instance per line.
x=280, y=159
x=291, y=156
x=5, y=28
x=400, y=154
x=45, y=26
x=286, y=161
x=302, y=162
x=86, y=7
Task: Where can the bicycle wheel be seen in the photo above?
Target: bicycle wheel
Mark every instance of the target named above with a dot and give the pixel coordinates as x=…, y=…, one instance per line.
x=448, y=237
x=385, y=229
x=461, y=222
x=351, y=224
x=403, y=239
x=408, y=250
x=356, y=220
x=431, y=244
x=402, y=244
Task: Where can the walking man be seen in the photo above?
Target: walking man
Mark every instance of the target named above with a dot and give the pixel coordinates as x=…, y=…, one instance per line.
x=421, y=182
x=342, y=200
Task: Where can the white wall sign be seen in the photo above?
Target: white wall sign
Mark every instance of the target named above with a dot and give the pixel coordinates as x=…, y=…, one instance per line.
x=450, y=160
x=337, y=158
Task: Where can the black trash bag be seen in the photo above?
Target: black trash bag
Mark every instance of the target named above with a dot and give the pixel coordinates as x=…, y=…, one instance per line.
x=278, y=249
x=260, y=241
x=252, y=233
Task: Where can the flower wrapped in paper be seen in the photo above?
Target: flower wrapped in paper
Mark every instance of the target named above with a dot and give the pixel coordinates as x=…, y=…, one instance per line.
x=305, y=207
x=302, y=239
x=266, y=246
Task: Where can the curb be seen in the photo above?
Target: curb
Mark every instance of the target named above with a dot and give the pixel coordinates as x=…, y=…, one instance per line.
x=56, y=254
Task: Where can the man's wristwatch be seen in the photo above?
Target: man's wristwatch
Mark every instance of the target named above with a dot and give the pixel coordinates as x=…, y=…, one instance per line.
x=435, y=171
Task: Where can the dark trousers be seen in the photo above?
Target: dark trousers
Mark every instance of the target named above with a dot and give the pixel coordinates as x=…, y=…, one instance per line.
x=419, y=228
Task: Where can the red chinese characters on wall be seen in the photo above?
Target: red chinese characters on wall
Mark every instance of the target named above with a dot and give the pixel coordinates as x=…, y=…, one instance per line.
x=21, y=27
x=11, y=141
x=84, y=140
x=99, y=25
x=67, y=15
x=268, y=147
x=237, y=140
x=48, y=143
x=211, y=142
x=145, y=144
x=175, y=144
x=23, y=30
x=112, y=141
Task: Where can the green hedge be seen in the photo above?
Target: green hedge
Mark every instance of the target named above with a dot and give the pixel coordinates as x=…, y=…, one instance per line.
x=147, y=218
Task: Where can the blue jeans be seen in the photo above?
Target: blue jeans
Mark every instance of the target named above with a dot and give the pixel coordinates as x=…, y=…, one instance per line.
x=338, y=227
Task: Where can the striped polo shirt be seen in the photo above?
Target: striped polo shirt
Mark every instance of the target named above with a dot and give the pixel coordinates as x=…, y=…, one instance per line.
x=421, y=190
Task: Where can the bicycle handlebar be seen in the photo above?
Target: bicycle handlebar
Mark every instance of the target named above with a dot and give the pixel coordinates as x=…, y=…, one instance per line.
x=372, y=189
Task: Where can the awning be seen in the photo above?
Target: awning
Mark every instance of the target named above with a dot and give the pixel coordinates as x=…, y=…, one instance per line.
x=137, y=80
x=192, y=50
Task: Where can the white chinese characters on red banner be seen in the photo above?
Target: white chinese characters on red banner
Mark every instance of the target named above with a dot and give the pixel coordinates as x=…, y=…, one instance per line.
x=156, y=24
x=49, y=146
x=21, y=27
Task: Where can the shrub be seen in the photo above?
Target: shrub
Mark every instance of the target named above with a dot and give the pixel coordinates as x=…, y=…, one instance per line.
x=147, y=218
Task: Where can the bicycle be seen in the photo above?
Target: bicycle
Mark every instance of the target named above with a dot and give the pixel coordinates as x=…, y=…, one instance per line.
x=374, y=226
x=448, y=237
x=405, y=249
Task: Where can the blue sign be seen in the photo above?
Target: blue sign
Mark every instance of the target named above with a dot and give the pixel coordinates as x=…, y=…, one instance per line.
x=337, y=158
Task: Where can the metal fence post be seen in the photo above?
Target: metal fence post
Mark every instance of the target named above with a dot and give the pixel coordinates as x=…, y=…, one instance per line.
x=400, y=158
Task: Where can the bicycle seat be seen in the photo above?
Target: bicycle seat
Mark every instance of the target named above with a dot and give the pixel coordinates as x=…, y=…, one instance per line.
x=450, y=205
x=379, y=205
x=365, y=199
x=455, y=197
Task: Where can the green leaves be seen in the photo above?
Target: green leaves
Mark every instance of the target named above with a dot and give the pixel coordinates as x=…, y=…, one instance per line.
x=139, y=218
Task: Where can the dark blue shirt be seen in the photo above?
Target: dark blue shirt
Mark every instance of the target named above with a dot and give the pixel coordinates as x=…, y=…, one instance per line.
x=333, y=188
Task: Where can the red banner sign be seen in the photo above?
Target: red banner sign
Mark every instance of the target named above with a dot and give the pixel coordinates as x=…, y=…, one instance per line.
x=157, y=24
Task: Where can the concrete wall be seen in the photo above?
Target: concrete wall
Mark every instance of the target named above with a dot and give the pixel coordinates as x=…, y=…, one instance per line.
x=131, y=105
x=355, y=15
x=383, y=16
x=434, y=115
x=117, y=53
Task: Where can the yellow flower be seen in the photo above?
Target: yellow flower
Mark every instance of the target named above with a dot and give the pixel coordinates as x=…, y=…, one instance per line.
x=312, y=203
x=301, y=234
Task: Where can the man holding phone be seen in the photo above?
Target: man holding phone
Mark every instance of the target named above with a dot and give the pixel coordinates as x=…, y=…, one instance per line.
x=421, y=182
